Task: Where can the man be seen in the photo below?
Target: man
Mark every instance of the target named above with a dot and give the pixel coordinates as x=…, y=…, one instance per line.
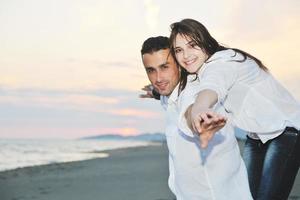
x=195, y=173
x=163, y=74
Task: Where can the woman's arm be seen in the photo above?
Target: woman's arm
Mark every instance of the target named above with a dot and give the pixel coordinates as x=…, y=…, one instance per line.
x=205, y=100
x=202, y=119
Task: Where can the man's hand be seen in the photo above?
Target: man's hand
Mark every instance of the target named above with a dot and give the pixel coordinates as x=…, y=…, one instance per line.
x=148, y=89
x=150, y=92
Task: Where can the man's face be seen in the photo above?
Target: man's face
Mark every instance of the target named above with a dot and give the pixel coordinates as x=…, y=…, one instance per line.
x=162, y=71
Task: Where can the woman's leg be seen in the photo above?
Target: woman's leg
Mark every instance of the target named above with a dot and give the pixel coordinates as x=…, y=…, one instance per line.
x=254, y=155
x=292, y=169
x=280, y=167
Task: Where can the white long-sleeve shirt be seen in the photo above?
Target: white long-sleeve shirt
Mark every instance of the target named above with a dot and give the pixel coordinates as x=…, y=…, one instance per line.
x=253, y=99
x=215, y=173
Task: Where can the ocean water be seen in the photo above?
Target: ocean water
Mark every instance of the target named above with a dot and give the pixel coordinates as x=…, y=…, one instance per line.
x=16, y=153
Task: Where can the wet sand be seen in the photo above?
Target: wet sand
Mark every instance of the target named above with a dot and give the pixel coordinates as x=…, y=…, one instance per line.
x=138, y=173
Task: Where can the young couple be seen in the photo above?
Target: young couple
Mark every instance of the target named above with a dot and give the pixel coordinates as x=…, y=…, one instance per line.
x=207, y=90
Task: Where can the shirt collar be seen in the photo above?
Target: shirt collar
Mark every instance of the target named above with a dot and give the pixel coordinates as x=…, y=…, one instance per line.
x=174, y=95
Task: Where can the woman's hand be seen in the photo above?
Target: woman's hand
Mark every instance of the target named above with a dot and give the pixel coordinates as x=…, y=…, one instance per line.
x=205, y=122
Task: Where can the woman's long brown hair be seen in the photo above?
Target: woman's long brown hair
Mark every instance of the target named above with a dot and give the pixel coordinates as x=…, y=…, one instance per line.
x=200, y=35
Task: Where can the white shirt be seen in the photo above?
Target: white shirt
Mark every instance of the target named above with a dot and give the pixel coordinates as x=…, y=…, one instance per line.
x=253, y=99
x=215, y=173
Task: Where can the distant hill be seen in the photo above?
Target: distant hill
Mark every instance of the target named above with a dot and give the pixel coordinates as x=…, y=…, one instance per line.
x=155, y=137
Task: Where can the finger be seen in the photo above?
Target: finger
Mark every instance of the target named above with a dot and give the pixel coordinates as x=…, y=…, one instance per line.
x=217, y=122
x=197, y=125
x=146, y=89
x=206, y=124
x=211, y=114
x=222, y=118
x=216, y=129
x=195, y=129
x=145, y=96
x=205, y=118
x=215, y=116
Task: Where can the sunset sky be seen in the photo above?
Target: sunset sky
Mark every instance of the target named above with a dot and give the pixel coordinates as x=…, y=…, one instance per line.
x=72, y=68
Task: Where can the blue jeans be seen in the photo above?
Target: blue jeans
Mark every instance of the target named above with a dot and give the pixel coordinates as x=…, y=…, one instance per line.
x=273, y=166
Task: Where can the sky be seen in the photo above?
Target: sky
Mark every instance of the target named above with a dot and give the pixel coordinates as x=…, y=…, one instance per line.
x=72, y=68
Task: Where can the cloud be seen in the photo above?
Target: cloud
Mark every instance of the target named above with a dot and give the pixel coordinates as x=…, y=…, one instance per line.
x=65, y=100
x=117, y=103
x=152, y=14
x=259, y=20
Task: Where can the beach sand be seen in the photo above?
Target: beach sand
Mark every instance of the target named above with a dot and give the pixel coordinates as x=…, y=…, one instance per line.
x=138, y=173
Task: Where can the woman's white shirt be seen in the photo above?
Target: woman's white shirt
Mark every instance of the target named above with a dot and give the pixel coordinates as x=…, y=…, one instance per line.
x=252, y=98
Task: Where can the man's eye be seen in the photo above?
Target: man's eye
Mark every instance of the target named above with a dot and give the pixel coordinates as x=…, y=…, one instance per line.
x=149, y=70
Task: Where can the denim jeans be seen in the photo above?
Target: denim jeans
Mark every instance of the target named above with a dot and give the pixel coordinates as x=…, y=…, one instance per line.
x=273, y=166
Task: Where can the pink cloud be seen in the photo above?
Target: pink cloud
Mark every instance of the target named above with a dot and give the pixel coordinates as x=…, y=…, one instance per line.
x=129, y=112
x=56, y=132
x=79, y=100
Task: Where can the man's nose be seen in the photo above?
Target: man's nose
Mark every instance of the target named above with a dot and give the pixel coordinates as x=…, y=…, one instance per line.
x=158, y=76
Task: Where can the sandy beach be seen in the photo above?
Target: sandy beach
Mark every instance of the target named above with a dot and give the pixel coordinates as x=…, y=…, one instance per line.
x=138, y=173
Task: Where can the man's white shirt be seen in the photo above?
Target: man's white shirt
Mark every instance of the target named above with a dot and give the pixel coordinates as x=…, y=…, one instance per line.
x=217, y=172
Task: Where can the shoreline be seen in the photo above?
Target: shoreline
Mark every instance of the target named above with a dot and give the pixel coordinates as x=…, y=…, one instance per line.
x=132, y=173
x=102, y=154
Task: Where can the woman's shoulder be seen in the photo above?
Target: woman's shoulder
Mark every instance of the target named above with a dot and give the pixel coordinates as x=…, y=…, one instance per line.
x=220, y=61
x=225, y=56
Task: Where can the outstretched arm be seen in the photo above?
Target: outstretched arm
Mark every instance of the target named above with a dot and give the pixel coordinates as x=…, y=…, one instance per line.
x=202, y=119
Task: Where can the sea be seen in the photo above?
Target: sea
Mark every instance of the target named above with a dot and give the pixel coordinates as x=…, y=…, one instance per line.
x=18, y=153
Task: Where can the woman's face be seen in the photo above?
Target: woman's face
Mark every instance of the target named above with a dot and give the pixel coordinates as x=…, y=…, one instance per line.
x=188, y=54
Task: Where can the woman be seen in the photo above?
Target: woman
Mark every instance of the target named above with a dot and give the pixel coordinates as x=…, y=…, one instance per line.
x=254, y=101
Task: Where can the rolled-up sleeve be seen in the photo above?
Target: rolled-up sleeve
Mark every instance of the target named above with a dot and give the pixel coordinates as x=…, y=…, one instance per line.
x=182, y=122
x=218, y=76
x=187, y=98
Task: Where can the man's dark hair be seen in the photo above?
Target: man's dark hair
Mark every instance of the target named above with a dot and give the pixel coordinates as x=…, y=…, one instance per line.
x=154, y=44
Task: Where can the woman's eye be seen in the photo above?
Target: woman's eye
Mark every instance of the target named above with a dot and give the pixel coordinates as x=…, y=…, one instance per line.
x=193, y=45
x=177, y=50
